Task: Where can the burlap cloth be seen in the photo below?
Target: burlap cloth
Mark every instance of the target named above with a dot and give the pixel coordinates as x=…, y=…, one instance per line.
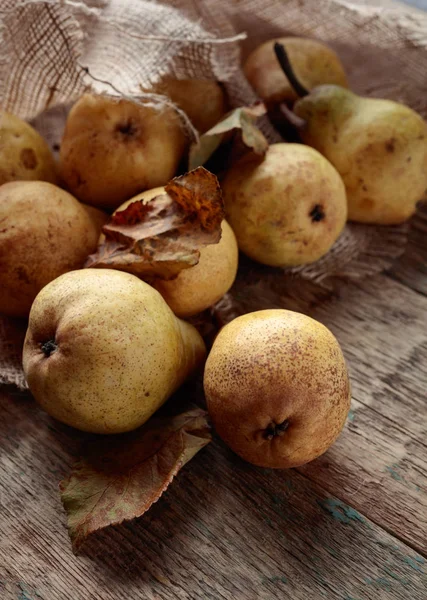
x=53, y=51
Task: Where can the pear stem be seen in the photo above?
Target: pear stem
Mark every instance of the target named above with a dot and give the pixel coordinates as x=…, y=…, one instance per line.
x=284, y=62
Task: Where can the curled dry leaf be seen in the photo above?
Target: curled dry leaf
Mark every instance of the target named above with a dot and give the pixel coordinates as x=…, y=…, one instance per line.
x=242, y=118
x=121, y=477
x=161, y=237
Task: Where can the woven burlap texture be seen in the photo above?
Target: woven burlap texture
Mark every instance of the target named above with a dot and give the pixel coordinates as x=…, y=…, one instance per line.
x=52, y=51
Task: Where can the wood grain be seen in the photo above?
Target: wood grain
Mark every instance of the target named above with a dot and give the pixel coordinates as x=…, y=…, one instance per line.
x=225, y=530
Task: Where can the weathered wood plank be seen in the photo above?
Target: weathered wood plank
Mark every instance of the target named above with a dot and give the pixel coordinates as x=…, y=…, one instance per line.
x=224, y=530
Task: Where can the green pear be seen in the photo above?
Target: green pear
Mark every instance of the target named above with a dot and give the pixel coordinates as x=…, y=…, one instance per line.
x=104, y=351
x=379, y=147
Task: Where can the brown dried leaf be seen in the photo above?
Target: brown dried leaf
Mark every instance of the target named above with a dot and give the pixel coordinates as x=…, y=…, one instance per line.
x=242, y=118
x=121, y=477
x=164, y=236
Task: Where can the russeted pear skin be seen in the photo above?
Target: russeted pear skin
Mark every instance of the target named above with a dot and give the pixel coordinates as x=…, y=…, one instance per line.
x=103, y=350
x=44, y=233
x=314, y=63
x=379, y=147
x=112, y=149
x=287, y=209
x=277, y=388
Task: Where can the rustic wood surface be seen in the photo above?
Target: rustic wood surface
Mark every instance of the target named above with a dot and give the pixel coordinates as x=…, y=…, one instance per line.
x=352, y=525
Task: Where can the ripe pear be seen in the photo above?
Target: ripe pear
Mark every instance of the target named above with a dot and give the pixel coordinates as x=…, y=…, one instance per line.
x=287, y=209
x=24, y=154
x=44, y=232
x=113, y=149
x=379, y=147
x=201, y=286
x=103, y=350
x=277, y=388
x=203, y=101
x=314, y=63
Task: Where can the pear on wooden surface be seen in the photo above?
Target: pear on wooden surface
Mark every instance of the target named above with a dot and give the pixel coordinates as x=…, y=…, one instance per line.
x=112, y=149
x=277, y=388
x=24, y=154
x=286, y=209
x=313, y=61
x=103, y=350
x=379, y=147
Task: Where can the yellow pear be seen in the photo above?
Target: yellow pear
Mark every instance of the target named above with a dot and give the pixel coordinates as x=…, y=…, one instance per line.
x=198, y=287
x=44, y=232
x=24, y=154
x=314, y=63
x=277, y=388
x=113, y=149
x=287, y=209
x=203, y=101
x=103, y=350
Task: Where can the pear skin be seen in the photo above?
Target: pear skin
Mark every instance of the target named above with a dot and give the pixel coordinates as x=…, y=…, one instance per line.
x=378, y=146
x=113, y=149
x=24, y=154
x=314, y=63
x=287, y=209
x=277, y=388
x=45, y=232
x=103, y=350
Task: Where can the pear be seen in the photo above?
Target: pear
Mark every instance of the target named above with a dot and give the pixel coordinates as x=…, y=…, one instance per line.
x=103, y=350
x=203, y=101
x=277, y=388
x=44, y=232
x=24, y=154
x=199, y=287
x=314, y=63
x=113, y=149
x=379, y=147
x=287, y=209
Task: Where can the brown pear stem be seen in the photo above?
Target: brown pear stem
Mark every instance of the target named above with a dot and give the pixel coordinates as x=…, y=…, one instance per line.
x=291, y=117
x=284, y=62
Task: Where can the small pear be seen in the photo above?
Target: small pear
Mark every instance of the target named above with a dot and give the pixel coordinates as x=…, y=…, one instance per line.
x=287, y=209
x=277, y=388
x=379, y=147
x=44, y=232
x=113, y=149
x=24, y=154
x=199, y=287
x=103, y=350
x=314, y=63
x=203, y=101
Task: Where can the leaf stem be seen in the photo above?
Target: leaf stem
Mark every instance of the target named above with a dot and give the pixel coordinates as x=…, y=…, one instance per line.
x=284, y=62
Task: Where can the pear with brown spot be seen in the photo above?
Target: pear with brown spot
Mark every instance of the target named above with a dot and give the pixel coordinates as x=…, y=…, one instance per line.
x=24, y=154
x=277, y=388
x=44, y=232
x=112, y=149
x=286, y=209
x=103, y=350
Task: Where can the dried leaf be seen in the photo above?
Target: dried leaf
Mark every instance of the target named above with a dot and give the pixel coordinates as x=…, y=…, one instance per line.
x=163, y=236
x=121, y=477
x=242, y=118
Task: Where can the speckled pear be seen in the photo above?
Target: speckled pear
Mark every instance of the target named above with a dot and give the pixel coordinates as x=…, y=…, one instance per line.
x=103, y=350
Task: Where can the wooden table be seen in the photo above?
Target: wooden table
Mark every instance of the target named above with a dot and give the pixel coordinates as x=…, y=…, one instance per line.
x=352, y=525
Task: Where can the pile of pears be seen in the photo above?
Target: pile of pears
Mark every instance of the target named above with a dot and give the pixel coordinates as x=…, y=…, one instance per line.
x=105, y=349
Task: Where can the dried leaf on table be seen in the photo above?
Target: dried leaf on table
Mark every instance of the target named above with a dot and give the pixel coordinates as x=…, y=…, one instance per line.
x=242, y=119
x=121, y=477
x=161, y=237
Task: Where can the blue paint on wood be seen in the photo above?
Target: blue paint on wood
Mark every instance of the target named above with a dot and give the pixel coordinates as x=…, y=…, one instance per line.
x=340, y=511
